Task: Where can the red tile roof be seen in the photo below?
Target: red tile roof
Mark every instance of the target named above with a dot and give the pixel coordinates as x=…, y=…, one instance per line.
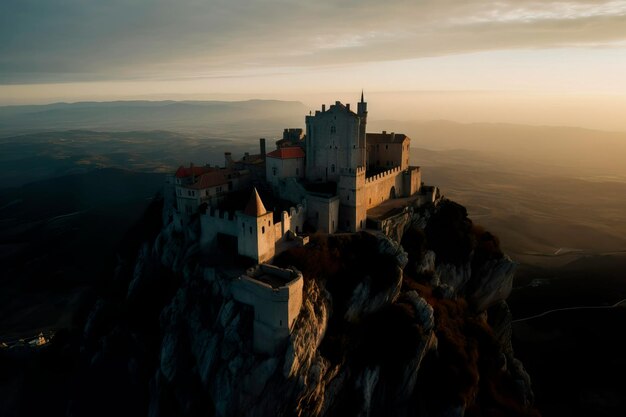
x=289, y=152
x=213, y=179
x=183, y=172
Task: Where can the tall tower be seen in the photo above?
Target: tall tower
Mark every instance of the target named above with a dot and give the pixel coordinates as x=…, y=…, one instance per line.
x=256, y=235
x=362, y=113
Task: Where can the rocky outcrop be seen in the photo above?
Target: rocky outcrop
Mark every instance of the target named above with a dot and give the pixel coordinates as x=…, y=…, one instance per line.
x=411, y=329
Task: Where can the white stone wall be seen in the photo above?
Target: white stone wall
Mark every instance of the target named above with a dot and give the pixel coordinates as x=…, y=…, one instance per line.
x=277, y=169
x=323, y=213
x=187, y=201
x=214, y=222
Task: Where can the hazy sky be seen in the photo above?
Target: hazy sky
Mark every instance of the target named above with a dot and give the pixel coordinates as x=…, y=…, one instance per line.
x=72, y=50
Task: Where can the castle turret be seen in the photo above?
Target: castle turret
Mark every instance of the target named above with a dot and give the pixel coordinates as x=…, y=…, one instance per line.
x=256, y=235
x=362, y=113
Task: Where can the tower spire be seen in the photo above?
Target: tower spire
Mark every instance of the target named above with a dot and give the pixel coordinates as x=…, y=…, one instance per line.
x=362, y=96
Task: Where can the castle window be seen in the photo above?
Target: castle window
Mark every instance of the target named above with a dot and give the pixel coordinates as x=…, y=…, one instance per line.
x=370, y=201
x=250, y=229
x=263, y=230
x=332, y=168
x=333, y=129
x=274, y=170
x=386, y=146
x=269, y=223
x=281, y=322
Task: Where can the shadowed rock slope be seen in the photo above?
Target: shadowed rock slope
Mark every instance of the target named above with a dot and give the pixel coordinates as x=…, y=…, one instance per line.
x=418, y=327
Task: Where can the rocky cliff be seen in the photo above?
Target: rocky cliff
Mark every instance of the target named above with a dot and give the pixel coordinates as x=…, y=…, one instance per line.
x=417, y=325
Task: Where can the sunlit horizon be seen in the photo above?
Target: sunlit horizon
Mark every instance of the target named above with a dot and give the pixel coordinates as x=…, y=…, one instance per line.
x=537, y=63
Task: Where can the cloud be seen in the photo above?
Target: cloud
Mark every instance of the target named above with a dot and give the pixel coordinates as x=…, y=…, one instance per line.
x=84, y=40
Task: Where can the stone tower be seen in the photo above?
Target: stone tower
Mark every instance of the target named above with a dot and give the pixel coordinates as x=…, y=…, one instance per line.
x=256, y=233
x=335, y=141
x=352, y=206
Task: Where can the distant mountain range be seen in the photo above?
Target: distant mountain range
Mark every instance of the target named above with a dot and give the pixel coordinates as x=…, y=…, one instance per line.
x=223, y=117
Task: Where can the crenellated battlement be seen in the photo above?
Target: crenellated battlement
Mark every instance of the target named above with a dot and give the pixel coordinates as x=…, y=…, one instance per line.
x=383, y=175
x=296, y=211
x=222, y=215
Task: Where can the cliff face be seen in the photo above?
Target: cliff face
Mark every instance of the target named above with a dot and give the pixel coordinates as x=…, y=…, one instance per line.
x=416, y=328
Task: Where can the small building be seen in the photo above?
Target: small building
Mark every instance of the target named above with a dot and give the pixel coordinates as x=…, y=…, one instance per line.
x=284, y=163
x=276, y=297
x=197, y=185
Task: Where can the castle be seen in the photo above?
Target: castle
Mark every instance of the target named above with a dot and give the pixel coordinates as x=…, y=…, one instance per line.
x=335, y=177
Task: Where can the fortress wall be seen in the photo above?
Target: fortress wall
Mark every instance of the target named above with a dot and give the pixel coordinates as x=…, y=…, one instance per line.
x=384, y=186
x=214, y=222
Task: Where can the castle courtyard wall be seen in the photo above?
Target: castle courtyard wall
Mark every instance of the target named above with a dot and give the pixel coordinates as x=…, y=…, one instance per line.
x=214, y=222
